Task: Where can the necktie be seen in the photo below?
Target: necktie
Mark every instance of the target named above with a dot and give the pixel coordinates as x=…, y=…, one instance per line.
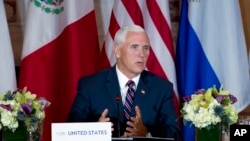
x=129, y=99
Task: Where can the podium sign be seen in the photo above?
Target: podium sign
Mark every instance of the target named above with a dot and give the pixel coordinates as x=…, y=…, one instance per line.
x=143, y=139
x=90, y=131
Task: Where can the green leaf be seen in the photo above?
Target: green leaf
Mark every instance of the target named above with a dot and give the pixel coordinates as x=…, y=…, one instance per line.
x=47, y=10
x=37, y=3
x=50, y=1
x=226, y=102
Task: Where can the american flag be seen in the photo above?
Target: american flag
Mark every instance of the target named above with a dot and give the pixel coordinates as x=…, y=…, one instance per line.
x=154, y=16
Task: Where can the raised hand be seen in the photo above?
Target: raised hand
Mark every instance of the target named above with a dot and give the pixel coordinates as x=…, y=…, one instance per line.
x=104, y=118
x=135, y=125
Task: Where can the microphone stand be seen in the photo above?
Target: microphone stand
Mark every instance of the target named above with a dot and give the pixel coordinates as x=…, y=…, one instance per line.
x=117, y=99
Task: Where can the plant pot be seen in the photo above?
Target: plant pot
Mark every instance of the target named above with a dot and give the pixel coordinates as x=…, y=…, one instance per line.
x=213, y=134
x=20, y=134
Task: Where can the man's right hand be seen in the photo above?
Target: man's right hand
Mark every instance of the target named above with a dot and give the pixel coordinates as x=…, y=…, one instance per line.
x=104, y=118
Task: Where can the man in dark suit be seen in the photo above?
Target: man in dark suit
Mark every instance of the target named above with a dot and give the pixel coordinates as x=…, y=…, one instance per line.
x=100, y=95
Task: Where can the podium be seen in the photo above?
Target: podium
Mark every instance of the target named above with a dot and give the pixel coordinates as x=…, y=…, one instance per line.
x=93, y=131
x=142, y=139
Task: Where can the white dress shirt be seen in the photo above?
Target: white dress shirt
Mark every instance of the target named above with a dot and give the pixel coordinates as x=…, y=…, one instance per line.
x=122, y=82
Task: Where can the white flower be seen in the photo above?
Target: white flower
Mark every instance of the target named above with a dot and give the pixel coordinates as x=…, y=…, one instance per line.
x=203, y=109
x=200, y=116
x=21, y=107
x=8, y=119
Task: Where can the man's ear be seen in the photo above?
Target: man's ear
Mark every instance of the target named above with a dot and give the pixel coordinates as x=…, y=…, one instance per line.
x=116, y=50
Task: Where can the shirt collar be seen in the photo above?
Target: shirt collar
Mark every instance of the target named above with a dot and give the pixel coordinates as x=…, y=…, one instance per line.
x=124, y=79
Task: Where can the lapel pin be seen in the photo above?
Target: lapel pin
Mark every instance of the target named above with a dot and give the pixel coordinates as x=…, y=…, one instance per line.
x=142, y=92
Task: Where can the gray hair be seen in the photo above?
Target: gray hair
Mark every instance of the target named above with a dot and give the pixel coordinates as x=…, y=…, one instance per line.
x=120, y=35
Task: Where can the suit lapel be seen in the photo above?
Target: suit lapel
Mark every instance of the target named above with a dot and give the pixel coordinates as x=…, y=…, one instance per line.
x=113, y=87
x=142, y=91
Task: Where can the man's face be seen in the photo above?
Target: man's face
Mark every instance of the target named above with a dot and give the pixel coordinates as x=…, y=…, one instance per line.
x=133, y=54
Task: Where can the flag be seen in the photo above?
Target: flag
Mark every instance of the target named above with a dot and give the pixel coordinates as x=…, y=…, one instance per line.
x=60, y=45
x=211, y=50
x=7, y=66
x=154, y=16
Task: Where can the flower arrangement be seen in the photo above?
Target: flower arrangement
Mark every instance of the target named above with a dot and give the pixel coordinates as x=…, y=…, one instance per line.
x=206, y=108
x=21, y=107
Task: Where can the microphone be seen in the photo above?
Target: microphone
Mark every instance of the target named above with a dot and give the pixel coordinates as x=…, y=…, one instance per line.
x=117, y=99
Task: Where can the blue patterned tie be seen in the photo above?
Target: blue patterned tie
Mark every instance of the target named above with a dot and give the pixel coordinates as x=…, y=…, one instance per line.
x=129, y=99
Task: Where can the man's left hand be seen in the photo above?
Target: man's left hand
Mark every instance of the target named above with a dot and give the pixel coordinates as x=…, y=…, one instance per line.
x=135, y=125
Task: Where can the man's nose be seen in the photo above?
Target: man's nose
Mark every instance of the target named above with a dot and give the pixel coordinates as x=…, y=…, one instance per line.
x=142, y=52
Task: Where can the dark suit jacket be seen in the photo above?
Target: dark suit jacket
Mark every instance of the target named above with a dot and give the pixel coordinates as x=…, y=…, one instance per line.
x=154, y=96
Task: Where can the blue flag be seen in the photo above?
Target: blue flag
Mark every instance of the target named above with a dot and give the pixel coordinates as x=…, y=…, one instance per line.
x=211, y=50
